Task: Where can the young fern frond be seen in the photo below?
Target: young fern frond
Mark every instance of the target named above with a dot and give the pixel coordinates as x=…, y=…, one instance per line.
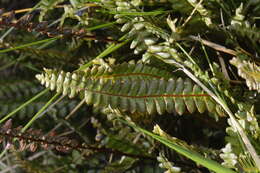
x=249, y=71
x=129, y=91
x=143, y=31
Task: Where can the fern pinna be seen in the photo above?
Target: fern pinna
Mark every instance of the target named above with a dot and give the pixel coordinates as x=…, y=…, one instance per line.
x=250, y=71
x=132, y=88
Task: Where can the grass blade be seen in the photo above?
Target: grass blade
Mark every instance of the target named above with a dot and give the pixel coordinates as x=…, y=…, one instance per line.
x=210, y=164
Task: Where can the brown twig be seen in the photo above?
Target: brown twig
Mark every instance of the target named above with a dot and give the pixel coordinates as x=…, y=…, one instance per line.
x=34, y=138
x=214, y=45
x=24, y=23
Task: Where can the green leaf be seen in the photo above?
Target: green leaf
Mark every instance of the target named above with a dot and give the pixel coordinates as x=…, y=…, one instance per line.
x=199, y=159
x=131, y=88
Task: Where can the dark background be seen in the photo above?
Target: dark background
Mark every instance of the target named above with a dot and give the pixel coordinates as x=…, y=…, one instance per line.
x=17, y=4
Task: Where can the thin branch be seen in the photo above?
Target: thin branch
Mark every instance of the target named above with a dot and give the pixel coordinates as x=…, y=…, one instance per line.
x=57, y=142
x=214, y=45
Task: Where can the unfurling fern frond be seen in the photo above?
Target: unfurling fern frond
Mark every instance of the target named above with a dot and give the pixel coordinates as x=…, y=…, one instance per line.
x=131, y=90
x=249, y=71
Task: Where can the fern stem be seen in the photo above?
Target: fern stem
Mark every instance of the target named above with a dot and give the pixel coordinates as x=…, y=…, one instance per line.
x=149, y=96
x=23, y=105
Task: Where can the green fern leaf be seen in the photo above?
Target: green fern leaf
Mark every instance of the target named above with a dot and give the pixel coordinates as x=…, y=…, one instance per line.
x=17, y=90
x=249, y=71
x=131, y=92
x=126, y=71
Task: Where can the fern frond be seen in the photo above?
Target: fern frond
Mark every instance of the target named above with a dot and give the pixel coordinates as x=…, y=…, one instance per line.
x=143, y=31
x=17, y=89
x=130, y=92
x=249, y=71
x=249, y=32
x=248, y=35
x=13, y=93
x=61, y=109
